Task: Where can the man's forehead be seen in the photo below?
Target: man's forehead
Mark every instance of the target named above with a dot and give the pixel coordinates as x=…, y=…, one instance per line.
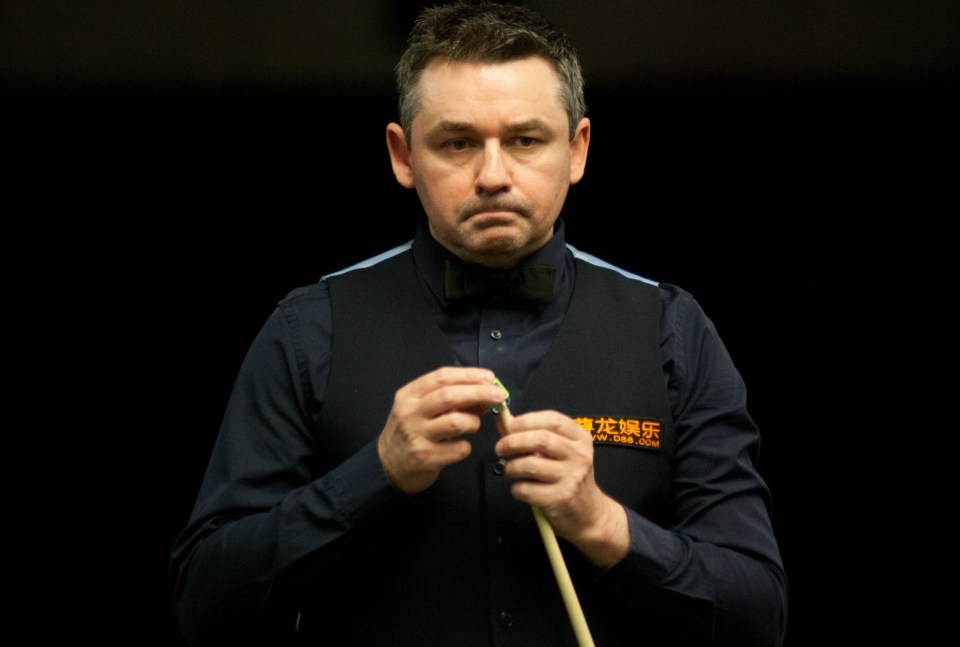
x=440, y=66
x=458, y=87
x=489, y=97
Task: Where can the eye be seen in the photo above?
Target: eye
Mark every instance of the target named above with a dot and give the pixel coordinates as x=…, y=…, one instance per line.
x=526, y=142
x=456, y=145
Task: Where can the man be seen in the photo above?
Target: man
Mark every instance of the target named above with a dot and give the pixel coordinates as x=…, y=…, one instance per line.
x=360, y=493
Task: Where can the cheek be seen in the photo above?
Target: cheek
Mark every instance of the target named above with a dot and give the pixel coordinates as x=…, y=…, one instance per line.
x=439, y=195
x=444, y=186
x=547, y=184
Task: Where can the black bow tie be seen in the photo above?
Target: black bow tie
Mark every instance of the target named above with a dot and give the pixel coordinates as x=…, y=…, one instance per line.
x=533, y=282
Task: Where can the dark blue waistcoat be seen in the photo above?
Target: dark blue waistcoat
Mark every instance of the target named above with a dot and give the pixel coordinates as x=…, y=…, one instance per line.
x=462, y=564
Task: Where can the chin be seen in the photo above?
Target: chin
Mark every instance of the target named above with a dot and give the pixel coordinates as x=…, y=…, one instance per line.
x=496, y=251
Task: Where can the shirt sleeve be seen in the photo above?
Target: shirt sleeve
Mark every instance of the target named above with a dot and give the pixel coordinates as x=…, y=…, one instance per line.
x=713, y=574
x=260, y=509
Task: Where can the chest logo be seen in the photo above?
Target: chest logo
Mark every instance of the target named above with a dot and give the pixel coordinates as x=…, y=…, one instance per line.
x=626, y=432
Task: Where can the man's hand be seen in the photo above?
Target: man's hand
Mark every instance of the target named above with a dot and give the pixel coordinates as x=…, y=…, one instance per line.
x=429, y=416
x=551, y=458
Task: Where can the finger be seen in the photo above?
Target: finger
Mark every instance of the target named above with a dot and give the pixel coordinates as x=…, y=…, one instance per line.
x=533, y=467
x=446, y=453
x=441, y=391
x=447, y=376
x=437, y=392
x=563, y=441
x=451, y=425
x=552, y=421
x=538, y=442
x=460, y=397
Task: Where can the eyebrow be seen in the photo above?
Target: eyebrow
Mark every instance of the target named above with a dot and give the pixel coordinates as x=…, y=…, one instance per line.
x=530, y=124
x=465, y=127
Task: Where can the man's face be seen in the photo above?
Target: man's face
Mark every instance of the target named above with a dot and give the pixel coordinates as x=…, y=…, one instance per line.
x=489, y=156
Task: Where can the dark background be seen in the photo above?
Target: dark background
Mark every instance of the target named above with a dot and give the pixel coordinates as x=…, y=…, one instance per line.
x=172, y=171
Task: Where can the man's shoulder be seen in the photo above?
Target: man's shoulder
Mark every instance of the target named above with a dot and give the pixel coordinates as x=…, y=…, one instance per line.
x=602, y=267
x=374, y=261
x=306, y=293
x=670, y=294
x=321, y=290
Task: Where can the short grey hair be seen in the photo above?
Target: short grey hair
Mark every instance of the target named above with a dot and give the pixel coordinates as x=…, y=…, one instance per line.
x=486, y=32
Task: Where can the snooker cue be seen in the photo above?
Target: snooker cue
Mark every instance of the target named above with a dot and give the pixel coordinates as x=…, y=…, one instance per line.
x=569, y=594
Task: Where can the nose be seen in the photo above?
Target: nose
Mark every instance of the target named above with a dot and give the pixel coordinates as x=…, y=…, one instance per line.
x=493, y=174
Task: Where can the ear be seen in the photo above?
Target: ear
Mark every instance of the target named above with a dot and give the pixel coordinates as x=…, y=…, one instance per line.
x=578, y=150
x=399, y=155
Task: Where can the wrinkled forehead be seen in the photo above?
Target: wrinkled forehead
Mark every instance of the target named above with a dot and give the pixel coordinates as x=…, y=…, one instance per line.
x=548, y=68
x=531, y=81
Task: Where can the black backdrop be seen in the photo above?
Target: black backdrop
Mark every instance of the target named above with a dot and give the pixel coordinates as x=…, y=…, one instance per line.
x=149, y=230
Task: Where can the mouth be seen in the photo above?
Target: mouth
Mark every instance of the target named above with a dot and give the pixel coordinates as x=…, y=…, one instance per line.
x=492, y=219
x=494, y=212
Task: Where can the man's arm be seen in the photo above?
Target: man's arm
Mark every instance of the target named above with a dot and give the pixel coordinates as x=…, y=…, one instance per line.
x=258, y=506
x=261, y=509
x=713, y=573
